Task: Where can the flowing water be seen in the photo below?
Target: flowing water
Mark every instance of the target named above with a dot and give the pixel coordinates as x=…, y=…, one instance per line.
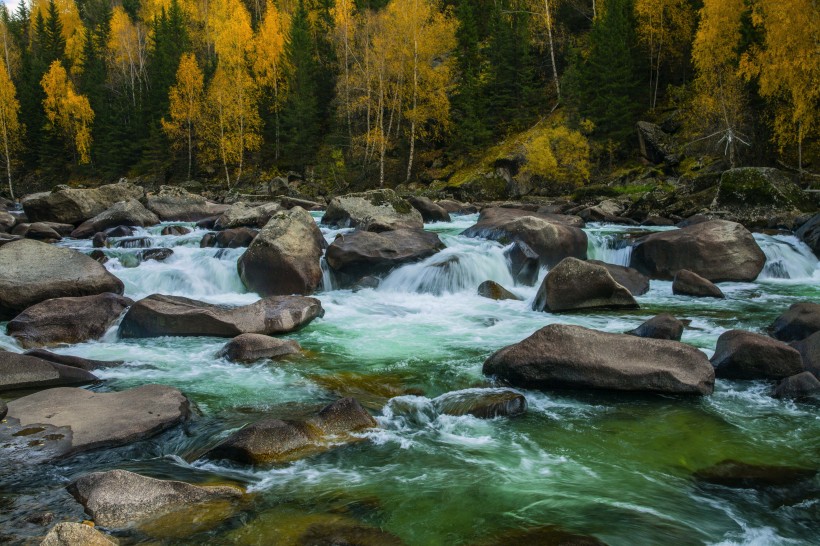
x=618, y=467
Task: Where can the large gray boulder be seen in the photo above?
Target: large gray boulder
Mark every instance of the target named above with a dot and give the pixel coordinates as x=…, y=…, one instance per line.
x=633, y=280
x=39, y=231
x=746, y=355
x=173, y=204
x=575, y=285
x=430, y=212
x=552, y=237
x=124, y=213
x=716, y=250
x=119, y=498
x=284, y=258
x=809, y=233
x=573, y=357
x=799, y=322
x=655, y=144
x=809, y=350
x=246, y=215
x=31, y=272
x=67, y=320
x=98, y=419
x=253, y=347
x=27, y=372
x=687, y=283
x=73, y=206
x=375, y=210
x=798, y=386
x=159, y=315
x=75, y=534
x=361, y=253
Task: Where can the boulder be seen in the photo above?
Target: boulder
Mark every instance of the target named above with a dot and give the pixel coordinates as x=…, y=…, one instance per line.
x=74, y=206
x=809, y=350
x=656, y=145
x=159, y=315
x=482, y=403
x=687, y=283
x=633, y=280
x=737, y=474
x=745, y=355
x=574, y=285
x=242, y=215
x=27, y=372
x=7, y=221
x=809, y=233
x=799, y=322
x=275, y=441
x=124, y=213
x=717, y=250
x=75, y=534
x=175, y=230
x=524, y=263
x=6, y=238
x=494, y=291
x=663, y=326
x=207, y=223
x=174, y=204
x=284, y=257
x=73, y=361
x=375, y=210
x=156, y=254
x=749, y=188
x=119, y=498
x=31, y=272
x=253, y=347
x=98, y=256
x=573, y=357
x=100, y=240
x=38, y=231
x=456, y=207
x=292, y=202
x=430, y=212
x=552, y=237
x=4, y=409
x=798, y=386
x=208, y=240
x=67, y=320
x=362, y=253
x=119, y=231
x=241, y=237
x=98, y=419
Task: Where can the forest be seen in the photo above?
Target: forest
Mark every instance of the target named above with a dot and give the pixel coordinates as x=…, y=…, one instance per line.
x=369, y=93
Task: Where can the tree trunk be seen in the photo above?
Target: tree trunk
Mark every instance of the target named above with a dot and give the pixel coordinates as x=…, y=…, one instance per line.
x=552, y=49
x=415, y=103
x=7, y=152
x=190, y=148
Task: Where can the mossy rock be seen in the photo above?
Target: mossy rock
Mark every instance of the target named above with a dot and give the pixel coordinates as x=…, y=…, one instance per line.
x=760, y=187
x=593, y=191
x=488, y=187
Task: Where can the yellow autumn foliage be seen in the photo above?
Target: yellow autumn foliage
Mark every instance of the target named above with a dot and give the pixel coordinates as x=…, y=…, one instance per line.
x=73, y=29
x=10, y=128
x=558, y=154
x=185, y=98
x=67, y=111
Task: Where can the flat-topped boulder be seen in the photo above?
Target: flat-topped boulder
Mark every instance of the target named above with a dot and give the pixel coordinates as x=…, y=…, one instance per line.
x=98, y=419
x=119, y=498
x=799, y=322
x=253, y=347
x=86, y=364
x=38, y=231
x=663, y=326
x=75, y=534
x=717, y=250
x=32, y=272
x=174, y=204
x=240, y=237
x=630, y=278
x=67, y=320
x=73, y=206
x=574, y=285
x=27, y=372
x=159, y=315
x=430, y=212
x=687, y=283
x=746, y=355
x=375, y=210
x=561, y=356
x=125, y=213
x=246, y=215
x=482, y=403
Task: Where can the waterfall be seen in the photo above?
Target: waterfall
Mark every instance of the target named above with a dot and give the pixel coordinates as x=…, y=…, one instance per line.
x=612, y=248
x=328, y=283
x=787, y=257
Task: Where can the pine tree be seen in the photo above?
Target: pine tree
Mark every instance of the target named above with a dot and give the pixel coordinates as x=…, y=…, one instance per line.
x=469, y=104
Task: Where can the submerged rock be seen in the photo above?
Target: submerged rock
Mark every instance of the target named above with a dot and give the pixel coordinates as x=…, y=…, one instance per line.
x=159, y=315
x=482, y=403
x=72, y=206
x=75, y=534
x=27, y=372
x=430, y=212
x=253, y=347
x=737, y=474
x=798, y=386
x=86, y=364
x=240, y=237
x=633, y=280
x=124, y=213
x=375, y=210
x=549, y=535
x=663, y=326
x=745, y=355
x=687, y=283
x=573, y=285
x=494, y=291
x=573, y=357
x=799, y=322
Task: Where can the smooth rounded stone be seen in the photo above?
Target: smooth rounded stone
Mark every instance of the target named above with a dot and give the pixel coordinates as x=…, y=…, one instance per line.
x=100, y=240
x=7, y=221
x=73, y=206
x=798, y=386
x=717, y=250
x=243, y=214
x=119, y=498
x=363, y=253
x=67, y=320
x=482, y=403
x=207, y=223
x=809, y=350
x=119, y=231
x=175, y=230
x=274, y=441
x=573, y=357
x=240, y=237
x=98, y=256
x=574, y=284
x=27, y=372
x=253, y=347
x=799, y=322
x=663, y=326
x=430, y=212
x=208, y=240
x=456, y=207
x=124, y=213
x=75, y=534
x=549, y=535
x=740, y=475
x=6, y=238
x=657, y=221
x=284, y=257
x=133, y=242
x=494, y=291
x=552, y=237
x=746, y=355
x=159, y=315
x=809, y=233
x=633, y=280
x=38, y=231
x=31, y=272
x=73, y=361
x=375, y=210
x=157, y=254
x=174, y=204
x=687, y=283
x=524, y=263
x=99, y=419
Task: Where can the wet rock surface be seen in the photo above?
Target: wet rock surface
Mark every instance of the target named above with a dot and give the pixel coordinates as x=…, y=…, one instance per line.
x=252, y=347
x=746, y=355
x=375, y=210
x=687, y=283
x=573, y=285
x=27, y=372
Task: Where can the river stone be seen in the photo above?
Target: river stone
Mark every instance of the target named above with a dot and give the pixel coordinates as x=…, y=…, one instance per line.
x=75, y=534
x=737, y=474
x=38, y=231
x=67, y=320
x=798, y=386
x=174, y=204
x=124, y=213
x=430, y=212
x=717, y=250
x=6, y=238
x=119, y=498
x=253, y=347
x=494, y=291
x=745, y=355
x=375, y=210
x=288, y=202
x=363, y=253
x=663, y=326
x=159, y=315
x=548, y=535
x=573, y=357
x=809, y=350
x=799, y=322
x=175, y=230
x=156, y=254
x=100, y=240
x=275, y=441
x=31, y=272
x=99, y=419
x=240, y=237
x=573, y=285
x=809, y=233
x=524, y=263
x=482, y=403
x=284, y=257
x=552, y=237
x=27, y=372
x=243, y=214
x=7, y=221
x=687, y=283
x=656, y=145
x=633, y=280
x=73, y=361
x=119, y=231
x=73, y=206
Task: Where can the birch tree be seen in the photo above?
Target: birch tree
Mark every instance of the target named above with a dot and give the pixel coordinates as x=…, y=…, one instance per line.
x=186, y=97
x=10, y=128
